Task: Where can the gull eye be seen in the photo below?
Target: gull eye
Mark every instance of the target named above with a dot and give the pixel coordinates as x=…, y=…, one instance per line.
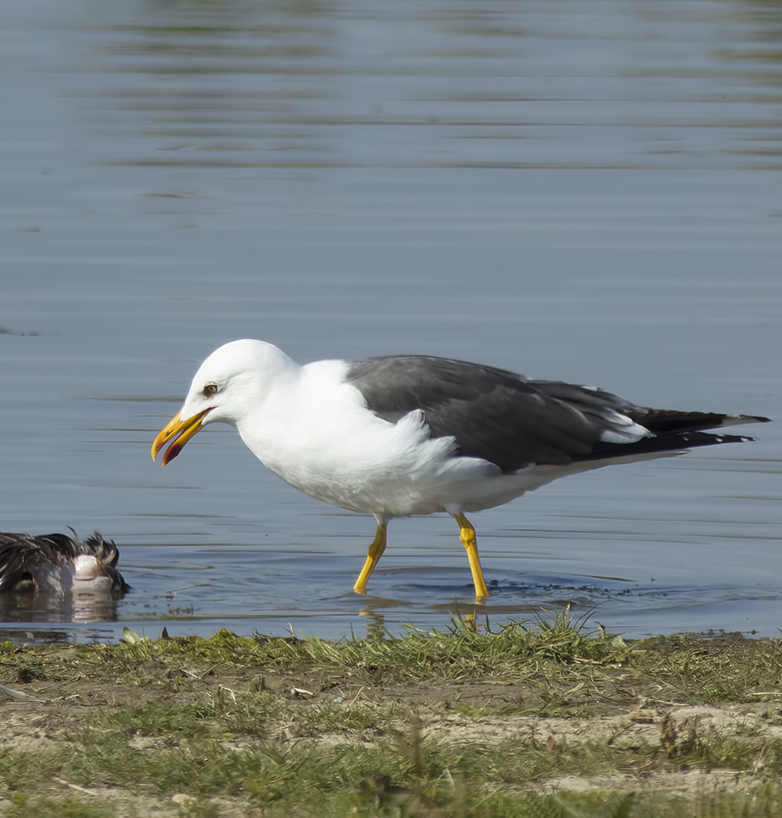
x=211, y=389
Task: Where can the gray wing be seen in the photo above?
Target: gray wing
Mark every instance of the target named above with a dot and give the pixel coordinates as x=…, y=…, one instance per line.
x=493, y=414
x=513, y=422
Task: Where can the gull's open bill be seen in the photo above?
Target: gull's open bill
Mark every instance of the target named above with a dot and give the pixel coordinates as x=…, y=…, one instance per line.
x=180, y=431
x=407, y=435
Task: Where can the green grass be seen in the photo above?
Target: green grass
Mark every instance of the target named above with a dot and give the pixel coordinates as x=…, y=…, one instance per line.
x=221, y=721
x=248, y=716
x=556, y=654
x=204, y=766
x=23, y=807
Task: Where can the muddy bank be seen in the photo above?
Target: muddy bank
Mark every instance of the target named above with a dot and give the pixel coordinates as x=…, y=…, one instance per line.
x=524, y=721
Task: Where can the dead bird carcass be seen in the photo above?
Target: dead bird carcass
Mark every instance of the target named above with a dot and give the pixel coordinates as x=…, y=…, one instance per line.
x=58, y=564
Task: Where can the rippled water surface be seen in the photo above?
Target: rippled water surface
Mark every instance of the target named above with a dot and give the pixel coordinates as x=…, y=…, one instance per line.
x=585, y=191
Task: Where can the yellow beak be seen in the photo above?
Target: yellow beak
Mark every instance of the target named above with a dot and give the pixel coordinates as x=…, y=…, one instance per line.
x=180, y=431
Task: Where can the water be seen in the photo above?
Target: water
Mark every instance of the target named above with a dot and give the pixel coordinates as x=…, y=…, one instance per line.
x=586, y=191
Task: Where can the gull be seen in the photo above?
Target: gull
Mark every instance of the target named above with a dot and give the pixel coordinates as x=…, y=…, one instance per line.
x=407, y=435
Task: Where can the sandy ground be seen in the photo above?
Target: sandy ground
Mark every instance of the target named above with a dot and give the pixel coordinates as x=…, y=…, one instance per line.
x=451, y=712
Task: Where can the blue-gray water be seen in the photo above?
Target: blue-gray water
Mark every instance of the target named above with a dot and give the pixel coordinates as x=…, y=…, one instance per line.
x=585, y=191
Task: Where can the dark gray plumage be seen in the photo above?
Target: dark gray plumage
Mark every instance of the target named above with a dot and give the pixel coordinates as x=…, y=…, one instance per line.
x=513, y=422
x=23, y=558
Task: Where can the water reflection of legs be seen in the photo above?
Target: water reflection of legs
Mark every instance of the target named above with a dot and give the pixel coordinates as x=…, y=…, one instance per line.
x=376, y=623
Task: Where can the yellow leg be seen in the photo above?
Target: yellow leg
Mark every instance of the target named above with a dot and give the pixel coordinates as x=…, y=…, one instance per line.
x=375, y=552
x=467, y=536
